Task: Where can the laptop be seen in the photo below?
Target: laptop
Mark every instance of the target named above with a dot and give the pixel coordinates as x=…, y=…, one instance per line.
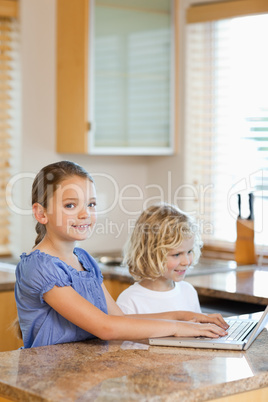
x=241, y=334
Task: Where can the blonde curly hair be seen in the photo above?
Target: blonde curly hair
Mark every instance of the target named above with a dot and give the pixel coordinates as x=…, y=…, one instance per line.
x=159, y=229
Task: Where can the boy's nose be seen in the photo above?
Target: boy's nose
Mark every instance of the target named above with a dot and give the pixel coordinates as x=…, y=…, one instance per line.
x=185, y=260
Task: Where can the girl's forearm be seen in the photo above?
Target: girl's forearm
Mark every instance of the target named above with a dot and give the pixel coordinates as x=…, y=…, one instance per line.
x=67, y=302
x=126, y=327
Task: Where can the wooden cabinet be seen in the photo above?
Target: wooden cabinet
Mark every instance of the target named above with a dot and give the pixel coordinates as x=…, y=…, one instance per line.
x=115, y=287
x=258, y=395
x=8, y=313
x=77, y=118
x=72, y=76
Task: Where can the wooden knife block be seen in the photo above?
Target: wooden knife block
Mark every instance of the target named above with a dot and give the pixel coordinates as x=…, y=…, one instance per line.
x=245, y=249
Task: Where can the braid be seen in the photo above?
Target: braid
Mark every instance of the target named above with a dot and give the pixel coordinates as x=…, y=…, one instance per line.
x=41, y=231
x=15, y=327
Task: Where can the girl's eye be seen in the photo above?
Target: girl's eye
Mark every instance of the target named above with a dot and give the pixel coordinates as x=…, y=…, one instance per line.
x=69, y=206
x=190, y=252
x=176, y=255
x=92, y=205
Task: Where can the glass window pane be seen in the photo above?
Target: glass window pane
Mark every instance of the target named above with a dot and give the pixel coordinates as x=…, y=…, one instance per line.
x=132, y=73
x=227, y=123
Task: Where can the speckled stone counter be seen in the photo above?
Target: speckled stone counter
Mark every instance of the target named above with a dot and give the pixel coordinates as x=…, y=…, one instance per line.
x=131, y=371
x=248, y=286
x=221, y=279
x=212, y=278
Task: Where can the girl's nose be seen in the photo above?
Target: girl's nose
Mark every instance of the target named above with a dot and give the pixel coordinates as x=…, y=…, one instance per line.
x=84, y=213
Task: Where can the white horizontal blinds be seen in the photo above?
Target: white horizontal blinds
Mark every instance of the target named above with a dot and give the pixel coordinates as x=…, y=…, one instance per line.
x=226, y=123
x=8, y=117
x=200, y=125
x=257, y=138
x=132, y=59
x=149, y=88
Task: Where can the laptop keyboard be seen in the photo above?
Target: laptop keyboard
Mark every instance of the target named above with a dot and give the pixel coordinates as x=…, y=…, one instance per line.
x=238, y=330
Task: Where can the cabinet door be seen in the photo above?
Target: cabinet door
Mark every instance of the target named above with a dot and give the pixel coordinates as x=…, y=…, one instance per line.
x=8, y=313
x=132, y=52
x=72, y=76
x=117, y=77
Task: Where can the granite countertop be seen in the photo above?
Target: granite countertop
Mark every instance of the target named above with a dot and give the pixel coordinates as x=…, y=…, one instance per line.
x=212, y=278
x=249, y=286
x=131, y=371
x=217, y=279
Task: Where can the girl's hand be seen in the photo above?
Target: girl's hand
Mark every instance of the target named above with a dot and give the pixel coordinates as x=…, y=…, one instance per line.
x=196, y=329
x=216, y=319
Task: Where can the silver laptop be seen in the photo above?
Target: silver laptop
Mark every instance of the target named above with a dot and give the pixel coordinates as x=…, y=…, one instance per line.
x=241, y=334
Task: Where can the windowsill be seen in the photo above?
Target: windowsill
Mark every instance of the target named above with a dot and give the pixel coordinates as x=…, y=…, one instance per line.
x=221, y=252
x=227, y=252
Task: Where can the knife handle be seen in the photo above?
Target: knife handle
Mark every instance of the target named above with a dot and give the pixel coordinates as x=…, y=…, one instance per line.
x=239, y=205
x=250, y=200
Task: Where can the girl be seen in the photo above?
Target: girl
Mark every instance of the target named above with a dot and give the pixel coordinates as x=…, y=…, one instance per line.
x=59, y=290
x=163, y=245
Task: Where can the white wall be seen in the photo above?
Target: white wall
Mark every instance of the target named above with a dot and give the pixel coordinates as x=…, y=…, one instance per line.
x=166, y=172
x=38, y=32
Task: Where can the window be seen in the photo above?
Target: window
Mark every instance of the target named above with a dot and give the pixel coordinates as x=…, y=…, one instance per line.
x=226, y=123
x=132, y=76
x=9, y=113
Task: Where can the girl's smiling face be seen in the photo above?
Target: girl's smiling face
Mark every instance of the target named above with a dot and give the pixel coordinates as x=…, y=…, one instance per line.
x=179, y=260
x=71, y=212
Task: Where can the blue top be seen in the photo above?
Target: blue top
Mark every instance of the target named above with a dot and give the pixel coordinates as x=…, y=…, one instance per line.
x=36, y=274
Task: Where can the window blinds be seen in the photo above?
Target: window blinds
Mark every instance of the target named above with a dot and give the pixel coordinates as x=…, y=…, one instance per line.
x=8, y=111
x=226, y=127
x=132, y=74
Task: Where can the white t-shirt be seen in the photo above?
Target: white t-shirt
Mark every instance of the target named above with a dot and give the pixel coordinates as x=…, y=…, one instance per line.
x=139, y=300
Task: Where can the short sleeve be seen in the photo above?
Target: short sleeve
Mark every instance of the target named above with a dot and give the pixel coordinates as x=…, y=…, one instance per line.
x=38, y=273
x=191, y=296
x=125, y=308
x=125, y=302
